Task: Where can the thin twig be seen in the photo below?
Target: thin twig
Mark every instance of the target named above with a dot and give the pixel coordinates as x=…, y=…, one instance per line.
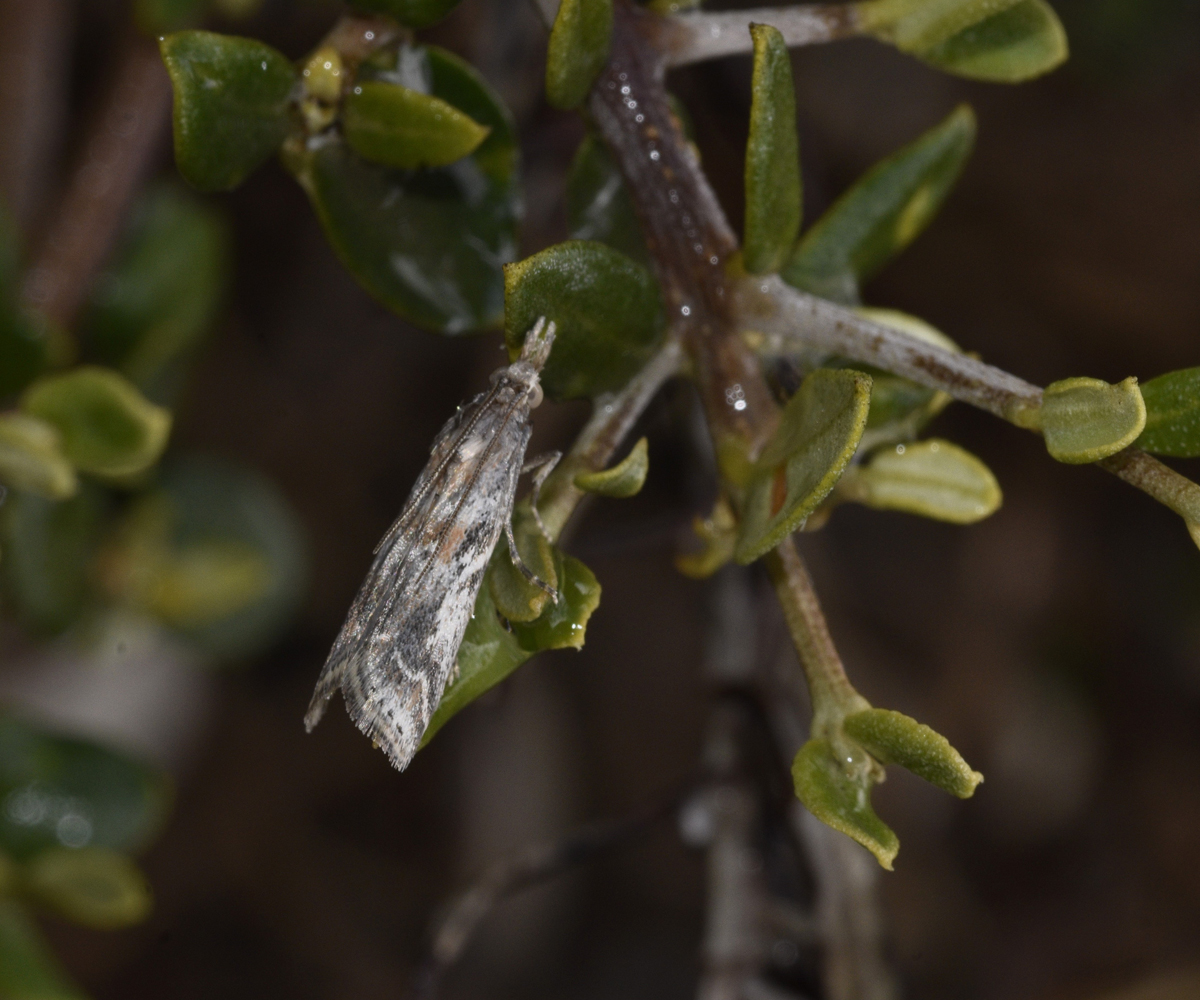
x=117, y=152
x=534, y=865
x=694, y=37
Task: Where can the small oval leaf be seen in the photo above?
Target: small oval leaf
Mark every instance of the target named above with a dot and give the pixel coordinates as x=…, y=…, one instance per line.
x=884, y=211
x=1085, y=419
x=839, y=801
x=563, y=625
x=934, y=479
x=516, y=598
x=623, y=480
x=107, y=426
x=1017, y=44
x=579, y=43
x=232, y=105
x=31, y=458
x=818, y=433
x=606, y=307
x=893, y=738
x=915, y=26
x=1172, y=414
x=772, y=177
x=398, y=127
x=90, y=885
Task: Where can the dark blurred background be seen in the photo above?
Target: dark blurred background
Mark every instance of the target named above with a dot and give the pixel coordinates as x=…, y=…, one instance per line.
x=1057, y=644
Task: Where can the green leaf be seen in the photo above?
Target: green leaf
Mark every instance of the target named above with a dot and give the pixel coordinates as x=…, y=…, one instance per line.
x=625, y=479
x=107, y=426
x=773, y=191
x=516, y=598
x=1172, y=414
x=48, y=547
x=59, y=791
x=606, y=308
x=893, y=738
x=882, y=213
x=399, y=127
x=160, y=296
x=579, y=43
x=934, y=479
x=918, y=25
x=818, y=433
x=429, y=244
x=414, y=13
x=232, y=105
x=217, y=553
x=1020, y=43
x=563, y=625
x=28, y=968
x=841, y=801
x=598, y=204
x=90, y=885
x=31, y=458
x=1085, y=420
x=718, y=534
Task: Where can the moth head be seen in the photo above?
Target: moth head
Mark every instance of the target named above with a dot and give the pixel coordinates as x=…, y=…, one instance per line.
x=538, y=341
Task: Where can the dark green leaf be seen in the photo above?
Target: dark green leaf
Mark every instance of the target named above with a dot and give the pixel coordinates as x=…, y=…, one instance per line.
x=28, y=969
x=399, y=127
x=1172, y=414
x=161, y=294
x=882, y=213
x=31, y=458
x=59, y=791
x=1017, y=44
x=429, y=244
x=625, y=479
x=107, y=426
x=773, y=193
x=47, y=550
x=598, y=204
x=841, y=800
x=414, y=13
x=93, y=886
x=1085, y=419
x=893, y=738
x=579, y=43
x=231, y=105
x=818, y=433
x=606, y=308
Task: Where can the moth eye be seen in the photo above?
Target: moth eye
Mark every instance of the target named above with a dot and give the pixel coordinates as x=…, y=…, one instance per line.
x=535, y=396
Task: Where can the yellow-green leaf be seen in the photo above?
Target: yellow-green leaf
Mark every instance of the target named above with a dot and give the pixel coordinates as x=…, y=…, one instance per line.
x=28, y=968
x=1172, y=414
x=625, y=479
x=563, y=625
x=884, y=211
x=718, y=533
x=934, y=479
x=516, y=598
x=1085, y=419
x=232, y=105
x=841, y=801
x=90, y=885
x=817, y=436
x=772, y=178
x=107, y=426
x=579, y=43
x=893, y=738
x=31, y=457
x=399, y=127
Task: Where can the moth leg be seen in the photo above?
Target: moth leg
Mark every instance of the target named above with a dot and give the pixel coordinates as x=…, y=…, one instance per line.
x=544, y=464
x=520, y=564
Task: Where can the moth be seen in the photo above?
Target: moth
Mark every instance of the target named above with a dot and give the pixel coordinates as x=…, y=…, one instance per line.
x=399, y=645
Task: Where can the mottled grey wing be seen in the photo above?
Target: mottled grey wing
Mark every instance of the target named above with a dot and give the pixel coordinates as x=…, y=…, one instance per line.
x=400, y=640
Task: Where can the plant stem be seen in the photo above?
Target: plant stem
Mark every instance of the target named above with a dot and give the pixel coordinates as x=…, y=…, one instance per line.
x=119, y=149
x=693, y=37
x=832, y=694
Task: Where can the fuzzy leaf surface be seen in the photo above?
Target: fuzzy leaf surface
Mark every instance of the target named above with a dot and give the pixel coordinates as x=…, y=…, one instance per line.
x=884, y=211
x=772, y=177
x=894, y=738
x=399, y=127
x=818, y=433
x=579, y=43
x=606, y=308
x=1085, y=419
x=1172, y=414
x=232, y=108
